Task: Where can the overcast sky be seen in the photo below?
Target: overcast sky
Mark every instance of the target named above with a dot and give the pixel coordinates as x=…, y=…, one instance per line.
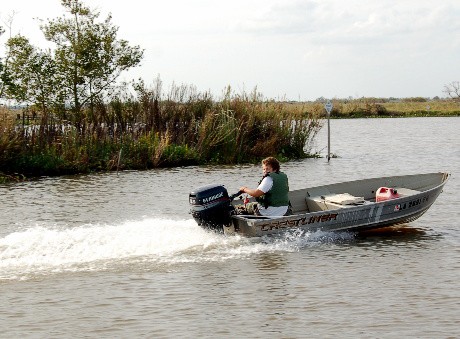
x=293, y=49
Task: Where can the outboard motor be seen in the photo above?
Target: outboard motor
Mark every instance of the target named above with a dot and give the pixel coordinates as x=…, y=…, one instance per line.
x=210, y=207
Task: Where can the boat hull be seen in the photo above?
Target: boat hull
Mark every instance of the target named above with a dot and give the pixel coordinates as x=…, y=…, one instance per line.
x=419, y=192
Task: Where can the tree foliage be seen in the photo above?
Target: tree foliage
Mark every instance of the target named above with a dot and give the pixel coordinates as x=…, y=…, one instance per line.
x=88, y=56
x=31, y=74
x=80, y=71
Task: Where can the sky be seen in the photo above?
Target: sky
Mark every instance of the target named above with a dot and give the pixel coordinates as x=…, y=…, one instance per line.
x=287, y=49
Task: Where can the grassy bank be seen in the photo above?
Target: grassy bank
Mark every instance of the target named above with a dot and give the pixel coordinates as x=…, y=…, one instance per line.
x=182, y=127
x=151, y=130
x=386, y=107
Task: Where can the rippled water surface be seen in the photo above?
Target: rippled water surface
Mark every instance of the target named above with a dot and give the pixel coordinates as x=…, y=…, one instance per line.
x=119, y=256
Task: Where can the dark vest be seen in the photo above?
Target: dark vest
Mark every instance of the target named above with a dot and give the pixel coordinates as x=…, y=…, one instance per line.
x=278, y=194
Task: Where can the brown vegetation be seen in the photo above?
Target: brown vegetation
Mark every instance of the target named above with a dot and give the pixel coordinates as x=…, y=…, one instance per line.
x=183, y=127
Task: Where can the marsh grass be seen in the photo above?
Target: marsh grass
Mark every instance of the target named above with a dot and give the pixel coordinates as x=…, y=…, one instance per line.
x=179, y=128
x=182, y=127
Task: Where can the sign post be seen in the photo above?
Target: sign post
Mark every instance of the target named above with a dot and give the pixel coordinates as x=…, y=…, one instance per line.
x=328, y=106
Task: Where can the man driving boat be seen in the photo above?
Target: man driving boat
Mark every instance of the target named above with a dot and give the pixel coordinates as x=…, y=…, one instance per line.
x=272, y=193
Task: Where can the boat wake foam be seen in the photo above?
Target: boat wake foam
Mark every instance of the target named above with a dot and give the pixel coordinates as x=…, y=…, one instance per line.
x=149, y=243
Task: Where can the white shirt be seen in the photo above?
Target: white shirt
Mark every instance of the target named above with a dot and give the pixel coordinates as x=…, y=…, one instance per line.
x=265, y=186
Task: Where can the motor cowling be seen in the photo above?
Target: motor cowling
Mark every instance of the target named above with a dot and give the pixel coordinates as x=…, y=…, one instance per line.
x=211, y=206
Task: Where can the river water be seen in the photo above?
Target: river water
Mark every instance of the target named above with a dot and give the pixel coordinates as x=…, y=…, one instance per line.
x=107, y=255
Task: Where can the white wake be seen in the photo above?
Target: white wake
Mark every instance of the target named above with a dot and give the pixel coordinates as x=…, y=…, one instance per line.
x=44, y=250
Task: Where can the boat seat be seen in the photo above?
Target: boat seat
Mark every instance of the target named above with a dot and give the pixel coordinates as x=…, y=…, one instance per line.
x=314, y=196
x=332, y=201
x=344, y=199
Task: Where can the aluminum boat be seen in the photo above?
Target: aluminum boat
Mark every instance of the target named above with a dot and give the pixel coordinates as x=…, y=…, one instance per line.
x=351, y=206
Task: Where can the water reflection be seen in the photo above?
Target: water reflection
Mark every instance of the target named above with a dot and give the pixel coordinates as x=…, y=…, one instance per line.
x=405, y=231
x=408, y=236
x=270, y=261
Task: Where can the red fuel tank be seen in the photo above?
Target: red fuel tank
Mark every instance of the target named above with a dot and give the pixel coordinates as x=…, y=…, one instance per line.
x=385, y=193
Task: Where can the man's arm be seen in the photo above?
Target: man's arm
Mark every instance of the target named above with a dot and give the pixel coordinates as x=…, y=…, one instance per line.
x=252, y=192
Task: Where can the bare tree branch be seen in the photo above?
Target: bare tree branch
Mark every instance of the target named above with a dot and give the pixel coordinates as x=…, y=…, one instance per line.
x=453, y=90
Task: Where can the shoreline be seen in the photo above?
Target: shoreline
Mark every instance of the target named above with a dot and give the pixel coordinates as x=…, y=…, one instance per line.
x=15, y=177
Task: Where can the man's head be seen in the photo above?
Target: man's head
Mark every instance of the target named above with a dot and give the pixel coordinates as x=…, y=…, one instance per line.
x=270, y=164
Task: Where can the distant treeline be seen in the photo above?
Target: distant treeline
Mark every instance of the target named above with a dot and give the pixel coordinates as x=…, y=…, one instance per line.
x=385, y=107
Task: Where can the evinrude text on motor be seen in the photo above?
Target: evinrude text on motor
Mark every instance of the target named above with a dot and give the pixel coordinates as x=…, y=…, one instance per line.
x=211, y=207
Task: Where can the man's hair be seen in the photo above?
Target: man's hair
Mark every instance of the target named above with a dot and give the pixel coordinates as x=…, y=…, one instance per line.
x=273, y=162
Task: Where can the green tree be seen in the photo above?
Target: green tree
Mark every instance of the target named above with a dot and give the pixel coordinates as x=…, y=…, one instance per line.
x=89, y=58
x=30, y=74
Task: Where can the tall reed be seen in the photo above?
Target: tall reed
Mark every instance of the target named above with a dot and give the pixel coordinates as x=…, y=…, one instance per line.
x=153, y=129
